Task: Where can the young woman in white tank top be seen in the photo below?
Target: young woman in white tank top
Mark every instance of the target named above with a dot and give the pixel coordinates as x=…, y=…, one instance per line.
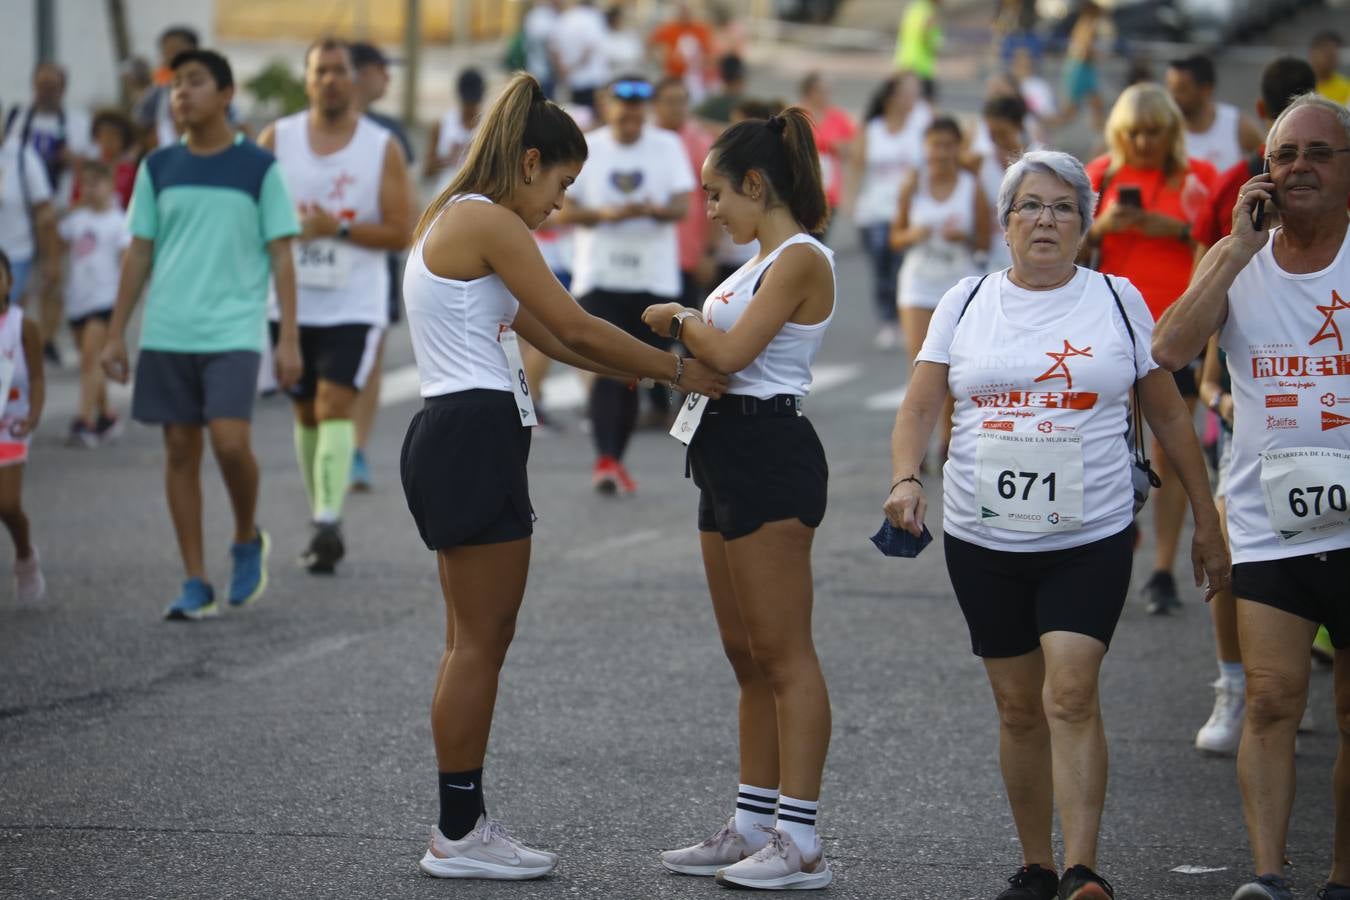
x=762, y=477
x=474, y=279
x=942, y=221
x=891, y=146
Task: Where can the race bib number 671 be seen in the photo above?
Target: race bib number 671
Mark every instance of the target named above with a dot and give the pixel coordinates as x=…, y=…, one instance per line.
x=1030, y=482
x=1307, y=492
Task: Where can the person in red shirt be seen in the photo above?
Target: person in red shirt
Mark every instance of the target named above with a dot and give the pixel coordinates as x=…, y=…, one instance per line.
x=684, y=45
x=1282, y=80
x=1153, y=211
x=835, y=131
x=115, y=136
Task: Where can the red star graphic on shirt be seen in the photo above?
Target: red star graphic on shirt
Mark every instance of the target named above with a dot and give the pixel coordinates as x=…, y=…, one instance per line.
x=1329, y=327
x=340, y=185
x=1060, y=369
x=725, y=297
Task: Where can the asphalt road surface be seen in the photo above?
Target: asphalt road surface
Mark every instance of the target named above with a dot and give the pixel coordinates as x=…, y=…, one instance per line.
x=285, y=751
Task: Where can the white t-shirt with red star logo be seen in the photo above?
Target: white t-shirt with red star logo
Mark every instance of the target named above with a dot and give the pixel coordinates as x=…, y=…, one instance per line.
x=1287, y=338
x=1041, y=379
x=337, y=282
x=97, y=239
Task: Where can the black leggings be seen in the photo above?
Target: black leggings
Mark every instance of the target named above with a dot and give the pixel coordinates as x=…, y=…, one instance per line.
x=614, y=405
x=613, y=411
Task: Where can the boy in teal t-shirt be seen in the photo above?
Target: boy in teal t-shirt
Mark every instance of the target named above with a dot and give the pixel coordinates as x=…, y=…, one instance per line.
x=211, y=223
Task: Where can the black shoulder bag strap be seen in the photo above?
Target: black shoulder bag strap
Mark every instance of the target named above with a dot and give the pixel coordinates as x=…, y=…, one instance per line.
x=1136, y=422
x=970, y=299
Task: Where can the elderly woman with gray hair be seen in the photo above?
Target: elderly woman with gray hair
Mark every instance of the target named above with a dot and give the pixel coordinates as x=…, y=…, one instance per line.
x=1041, y=359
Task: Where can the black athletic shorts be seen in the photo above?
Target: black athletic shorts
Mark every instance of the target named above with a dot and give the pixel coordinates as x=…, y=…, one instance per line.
x=76, y=324
x=1010, y=599
x=463, y=470
x=1315, y=587
x=1188, y=384
x=342, y=354
x=624, y=310
x=756, y=469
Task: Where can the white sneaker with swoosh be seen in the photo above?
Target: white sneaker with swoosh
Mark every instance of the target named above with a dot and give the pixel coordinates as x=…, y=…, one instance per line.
x=486, y=852
x=724, y=848
x=780, y=866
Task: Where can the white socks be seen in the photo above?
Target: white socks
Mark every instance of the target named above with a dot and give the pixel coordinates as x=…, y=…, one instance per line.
x=1233, y=674
x=797, y=819
x=755, y=806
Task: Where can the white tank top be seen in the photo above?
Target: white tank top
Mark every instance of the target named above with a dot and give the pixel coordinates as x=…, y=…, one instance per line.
x=337, y=282
x=11, y=348
x=453, y=135
x=1218, y=146
x=1040, y=364
x=889, y=158
x=455, y=325
x=1288, y=343
x=935, y=264
x=784, y=366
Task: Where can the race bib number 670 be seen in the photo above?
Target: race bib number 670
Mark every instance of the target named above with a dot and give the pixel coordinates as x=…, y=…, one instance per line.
x=1307, y=492
x=1030, y=482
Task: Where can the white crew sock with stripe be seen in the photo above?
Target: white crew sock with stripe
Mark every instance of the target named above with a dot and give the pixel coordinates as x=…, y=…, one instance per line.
x=755, y=806
x=797, y=819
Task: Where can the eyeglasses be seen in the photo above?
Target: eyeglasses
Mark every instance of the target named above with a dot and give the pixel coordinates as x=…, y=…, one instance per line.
x=1031, y=210
x=1318, y=154
x=632, y=90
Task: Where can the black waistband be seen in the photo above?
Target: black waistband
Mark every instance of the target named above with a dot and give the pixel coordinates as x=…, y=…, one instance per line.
x=465, y=398
x=744, y=405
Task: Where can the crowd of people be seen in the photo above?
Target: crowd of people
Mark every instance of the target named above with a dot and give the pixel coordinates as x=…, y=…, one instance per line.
x=673, y=228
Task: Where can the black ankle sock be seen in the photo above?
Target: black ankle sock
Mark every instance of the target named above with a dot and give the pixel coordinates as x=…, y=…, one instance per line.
x=461, y=802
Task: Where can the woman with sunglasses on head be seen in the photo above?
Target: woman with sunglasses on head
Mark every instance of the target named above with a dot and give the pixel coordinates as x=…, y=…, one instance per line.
x=474, y=279
x=762, y=475
x=626, y=205
x=1042, y=360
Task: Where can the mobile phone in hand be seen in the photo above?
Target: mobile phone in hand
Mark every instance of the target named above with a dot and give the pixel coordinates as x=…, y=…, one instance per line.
x=1259, y=210
x=1130, y=195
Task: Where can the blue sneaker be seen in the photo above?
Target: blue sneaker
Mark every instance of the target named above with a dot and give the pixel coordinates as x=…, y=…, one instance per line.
x=197, y=602
x=360, y=479
x=248, y=580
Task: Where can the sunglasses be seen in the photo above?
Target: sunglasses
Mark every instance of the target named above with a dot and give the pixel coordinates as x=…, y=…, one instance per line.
x=1318, y=154
x=632, y=90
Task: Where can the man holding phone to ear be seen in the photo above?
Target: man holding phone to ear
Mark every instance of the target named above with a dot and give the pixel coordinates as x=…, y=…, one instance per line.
x=1277, y=296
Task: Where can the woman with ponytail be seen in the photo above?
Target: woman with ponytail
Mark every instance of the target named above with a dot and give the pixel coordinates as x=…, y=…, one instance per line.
x=762, y=475
x=475, y=279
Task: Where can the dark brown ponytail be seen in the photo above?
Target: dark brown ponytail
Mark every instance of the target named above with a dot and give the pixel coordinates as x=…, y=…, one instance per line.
x=520, y=119
x=782, y=149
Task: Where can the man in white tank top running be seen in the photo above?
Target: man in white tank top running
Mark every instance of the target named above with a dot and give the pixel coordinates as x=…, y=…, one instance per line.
x=1215, y=132
x=1276, y=297
x=350, y=185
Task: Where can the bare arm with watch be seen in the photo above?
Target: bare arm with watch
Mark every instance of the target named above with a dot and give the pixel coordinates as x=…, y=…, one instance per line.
x=925, y=398
x=799, y=287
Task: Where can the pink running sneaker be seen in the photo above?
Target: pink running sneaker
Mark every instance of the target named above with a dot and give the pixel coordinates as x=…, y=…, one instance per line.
x=486, y=852
x=723, y=849
x=779, y=866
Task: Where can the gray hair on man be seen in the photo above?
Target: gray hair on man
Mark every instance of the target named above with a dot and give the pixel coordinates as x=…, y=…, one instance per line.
x=1312, y=98
x=1048, y=162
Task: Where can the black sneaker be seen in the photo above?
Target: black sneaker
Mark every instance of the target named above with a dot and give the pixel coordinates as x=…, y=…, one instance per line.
x=1081, y=883
x=1032, y=882
x=1333, y=891
x=325, y=549
x=1266, y=887
x=1160, y=594
x=51, y=354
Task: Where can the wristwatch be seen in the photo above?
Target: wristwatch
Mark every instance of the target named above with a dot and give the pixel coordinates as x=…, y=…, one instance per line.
x=677, y=322
x=344, y=230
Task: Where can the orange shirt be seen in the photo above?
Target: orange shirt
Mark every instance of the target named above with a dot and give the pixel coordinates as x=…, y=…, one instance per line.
x=1160, y=267
x=686, y=44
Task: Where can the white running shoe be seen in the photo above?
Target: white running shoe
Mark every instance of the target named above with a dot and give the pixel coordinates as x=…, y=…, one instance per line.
x=1222, y=733
x=888, y=337
x=727, y=847
x=486, y=852
x=779, y=866
x=29, y=585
